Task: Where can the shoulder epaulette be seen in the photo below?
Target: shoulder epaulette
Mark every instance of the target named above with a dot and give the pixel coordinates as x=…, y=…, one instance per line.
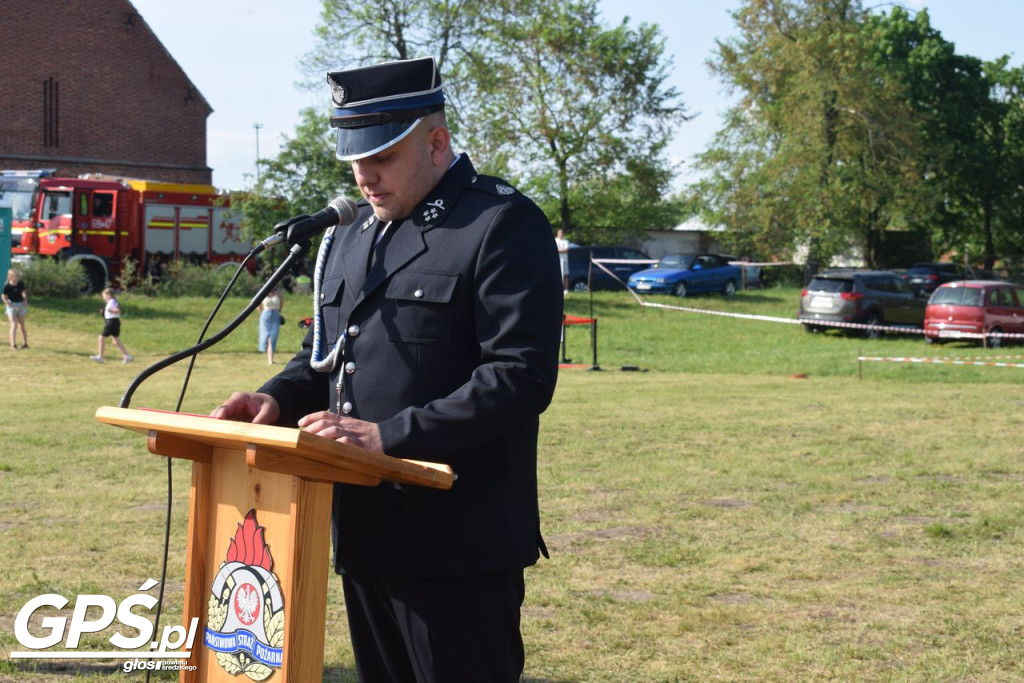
x=492, y=185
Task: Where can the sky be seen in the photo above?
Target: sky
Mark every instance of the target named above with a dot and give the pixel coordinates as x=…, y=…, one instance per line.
x=244, y=58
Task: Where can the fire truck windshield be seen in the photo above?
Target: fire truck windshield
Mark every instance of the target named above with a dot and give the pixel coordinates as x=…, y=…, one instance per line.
x=18, y=192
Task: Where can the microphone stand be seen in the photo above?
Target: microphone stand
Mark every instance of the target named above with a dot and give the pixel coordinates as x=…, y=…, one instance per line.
x=294, y=254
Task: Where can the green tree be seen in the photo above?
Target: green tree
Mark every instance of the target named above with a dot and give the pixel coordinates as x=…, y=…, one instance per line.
x=579, y=112
x=576, y=114
x=304, y=174
x=970, y=121
x=820, y=150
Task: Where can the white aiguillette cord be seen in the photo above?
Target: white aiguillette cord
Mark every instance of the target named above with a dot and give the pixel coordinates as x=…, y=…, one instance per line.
x=317, y=360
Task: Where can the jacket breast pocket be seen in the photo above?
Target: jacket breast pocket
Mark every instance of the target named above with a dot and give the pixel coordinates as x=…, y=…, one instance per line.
x=419, y=307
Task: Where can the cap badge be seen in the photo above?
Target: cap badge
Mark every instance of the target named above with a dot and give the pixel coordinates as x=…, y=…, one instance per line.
x=504, y=189
x=434, y=210
x=338, y=94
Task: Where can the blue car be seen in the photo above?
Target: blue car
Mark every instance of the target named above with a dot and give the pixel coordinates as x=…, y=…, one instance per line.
x=683, y=274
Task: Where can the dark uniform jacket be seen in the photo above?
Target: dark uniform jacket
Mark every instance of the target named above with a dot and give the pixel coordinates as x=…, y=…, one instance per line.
x=452, y=349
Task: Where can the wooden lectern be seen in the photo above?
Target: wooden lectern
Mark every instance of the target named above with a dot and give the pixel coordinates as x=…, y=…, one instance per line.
x=259, y=536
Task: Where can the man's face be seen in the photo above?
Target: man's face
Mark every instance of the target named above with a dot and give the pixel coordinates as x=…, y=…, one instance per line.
x=397, y=179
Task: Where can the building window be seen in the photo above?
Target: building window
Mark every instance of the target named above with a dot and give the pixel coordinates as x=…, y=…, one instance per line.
x=51, y=113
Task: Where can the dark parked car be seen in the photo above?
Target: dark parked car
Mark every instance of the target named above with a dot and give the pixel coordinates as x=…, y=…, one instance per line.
x=871, y=298
x=683, y=274
x=974, y=307
x=928, y=276
x=582, y=277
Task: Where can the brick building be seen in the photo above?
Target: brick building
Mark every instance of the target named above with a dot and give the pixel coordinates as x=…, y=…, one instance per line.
x=86, y=87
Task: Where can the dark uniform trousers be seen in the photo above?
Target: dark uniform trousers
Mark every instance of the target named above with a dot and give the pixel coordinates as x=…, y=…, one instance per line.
x=449, y=630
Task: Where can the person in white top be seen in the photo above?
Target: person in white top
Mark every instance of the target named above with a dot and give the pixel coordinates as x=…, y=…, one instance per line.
x=563, y=258
x=111, y=327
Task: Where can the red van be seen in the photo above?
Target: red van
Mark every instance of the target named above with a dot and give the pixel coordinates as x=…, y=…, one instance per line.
x=975, y=310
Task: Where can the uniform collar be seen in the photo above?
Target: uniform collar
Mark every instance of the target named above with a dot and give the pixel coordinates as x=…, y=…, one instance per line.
x=439, y=202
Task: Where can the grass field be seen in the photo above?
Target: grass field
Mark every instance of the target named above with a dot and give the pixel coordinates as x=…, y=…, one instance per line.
x=743, y=507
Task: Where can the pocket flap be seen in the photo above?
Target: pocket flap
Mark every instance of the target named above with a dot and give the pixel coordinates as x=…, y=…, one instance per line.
x=423, y=286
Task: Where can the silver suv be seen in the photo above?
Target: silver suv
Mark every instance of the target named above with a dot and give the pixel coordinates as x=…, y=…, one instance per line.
x=879, y=298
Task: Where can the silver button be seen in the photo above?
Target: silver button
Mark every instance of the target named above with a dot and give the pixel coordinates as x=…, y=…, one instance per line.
x=418, y=294
x=346, y=407
x=353, y=330
x=321, y=296
x=350, y=367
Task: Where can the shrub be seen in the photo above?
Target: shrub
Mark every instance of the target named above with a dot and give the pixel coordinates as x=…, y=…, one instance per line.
x=50, y=277
x=207, y=280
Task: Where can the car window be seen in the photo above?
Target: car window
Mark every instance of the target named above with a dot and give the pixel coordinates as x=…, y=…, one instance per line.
x=957, y=296
x=635, y=255
x=832, y=285
x=681, y=261
x=901, y=287
x=579, y=256
x=879, y=284
x=1001, y=296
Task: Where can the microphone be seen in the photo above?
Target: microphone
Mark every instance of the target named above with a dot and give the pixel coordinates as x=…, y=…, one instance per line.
x=340, y=211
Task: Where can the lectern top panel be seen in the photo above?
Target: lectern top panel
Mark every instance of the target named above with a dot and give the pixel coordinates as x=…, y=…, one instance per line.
x=311, y=447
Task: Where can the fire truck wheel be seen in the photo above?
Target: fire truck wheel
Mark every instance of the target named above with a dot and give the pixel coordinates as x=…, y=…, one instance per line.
x=95, y=278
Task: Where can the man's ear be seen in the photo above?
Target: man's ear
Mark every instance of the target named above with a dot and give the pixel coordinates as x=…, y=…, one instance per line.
x=439, y=140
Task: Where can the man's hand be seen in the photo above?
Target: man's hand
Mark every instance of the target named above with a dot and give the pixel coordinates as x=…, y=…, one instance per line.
x=344, y=429
x=259, y=409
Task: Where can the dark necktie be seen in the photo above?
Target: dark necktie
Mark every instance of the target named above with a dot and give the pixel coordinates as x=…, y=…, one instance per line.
x=377, y=253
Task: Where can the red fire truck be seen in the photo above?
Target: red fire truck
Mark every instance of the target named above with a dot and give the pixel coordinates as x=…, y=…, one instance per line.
x=101, y=222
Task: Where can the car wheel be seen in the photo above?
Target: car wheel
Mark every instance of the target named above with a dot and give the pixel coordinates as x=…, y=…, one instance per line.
x=679, y=290
x=873, y=319
x=580, y=286
x=812, y=329
x=729, y=289
x=995, y=342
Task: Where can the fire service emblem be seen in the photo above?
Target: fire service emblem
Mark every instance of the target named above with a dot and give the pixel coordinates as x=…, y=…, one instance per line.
x=246, y=609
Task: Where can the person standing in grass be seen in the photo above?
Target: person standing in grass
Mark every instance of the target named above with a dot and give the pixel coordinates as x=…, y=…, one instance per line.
x=16, y=306
x=270, y=324
x=111, y=327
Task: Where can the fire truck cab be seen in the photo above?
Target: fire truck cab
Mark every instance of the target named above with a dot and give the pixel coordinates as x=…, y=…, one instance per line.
x=102, y=222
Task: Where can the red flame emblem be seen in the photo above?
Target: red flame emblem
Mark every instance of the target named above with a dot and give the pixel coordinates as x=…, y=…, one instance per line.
x=248, y=546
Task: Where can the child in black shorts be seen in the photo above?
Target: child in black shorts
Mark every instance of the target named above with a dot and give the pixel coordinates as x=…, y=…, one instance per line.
x=111, y=326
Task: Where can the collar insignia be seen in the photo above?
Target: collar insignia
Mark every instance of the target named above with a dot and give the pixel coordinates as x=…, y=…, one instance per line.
x=433, y=210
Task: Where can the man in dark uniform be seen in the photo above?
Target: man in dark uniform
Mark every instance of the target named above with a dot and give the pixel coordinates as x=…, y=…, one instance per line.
x=436, y=338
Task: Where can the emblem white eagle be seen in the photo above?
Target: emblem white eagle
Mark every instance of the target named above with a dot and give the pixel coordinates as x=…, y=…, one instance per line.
x=247, y=604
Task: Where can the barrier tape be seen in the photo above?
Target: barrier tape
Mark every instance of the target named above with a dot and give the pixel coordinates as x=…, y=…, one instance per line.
x=938, y=361
x=1017, y=357
x=900, y=329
